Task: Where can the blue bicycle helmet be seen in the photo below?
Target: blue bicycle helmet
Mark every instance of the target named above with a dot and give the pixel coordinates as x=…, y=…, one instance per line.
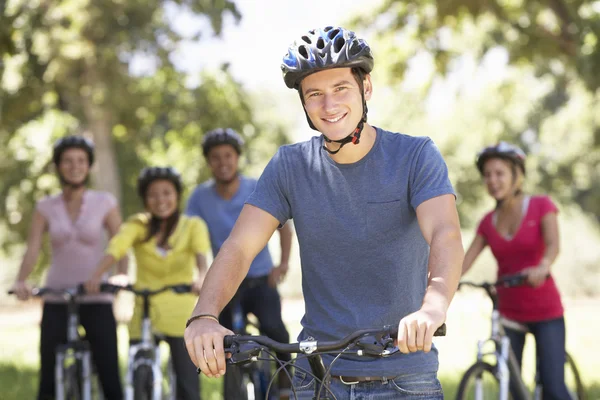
x=325, y=48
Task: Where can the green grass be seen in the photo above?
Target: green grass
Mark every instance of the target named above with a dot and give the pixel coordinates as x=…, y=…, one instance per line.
x=467, y=322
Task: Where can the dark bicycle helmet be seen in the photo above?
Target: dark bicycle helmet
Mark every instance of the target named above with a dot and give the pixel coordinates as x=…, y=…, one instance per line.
x=221, y=136
x=504, y=151
x=151, y=174
x=69, y=142
x=325, y=48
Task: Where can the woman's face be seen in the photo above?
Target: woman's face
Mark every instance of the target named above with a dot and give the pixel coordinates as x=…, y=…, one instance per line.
x=498, y=178
x=162, y=198
x=74, y=166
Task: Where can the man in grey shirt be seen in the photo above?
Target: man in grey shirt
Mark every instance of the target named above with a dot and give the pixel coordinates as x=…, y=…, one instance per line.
x=376, y=221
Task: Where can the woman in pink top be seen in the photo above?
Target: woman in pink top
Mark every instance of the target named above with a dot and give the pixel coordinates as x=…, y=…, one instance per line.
x=522, y=232
x=76, y=219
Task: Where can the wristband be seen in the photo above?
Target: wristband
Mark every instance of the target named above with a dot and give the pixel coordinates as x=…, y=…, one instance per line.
x=201, y=316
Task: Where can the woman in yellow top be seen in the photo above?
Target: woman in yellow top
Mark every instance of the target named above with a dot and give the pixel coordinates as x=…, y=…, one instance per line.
x=167, y=247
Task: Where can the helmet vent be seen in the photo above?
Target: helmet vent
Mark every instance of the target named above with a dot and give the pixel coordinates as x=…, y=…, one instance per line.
x=303, y=51
x=333, y=33
x=354, y=48
x=338, y=44
x=306, y=39
x=328, y=28
x=320, y=44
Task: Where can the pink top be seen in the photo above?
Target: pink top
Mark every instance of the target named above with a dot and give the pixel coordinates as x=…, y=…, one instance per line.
x=77, y=246
x=525, y=249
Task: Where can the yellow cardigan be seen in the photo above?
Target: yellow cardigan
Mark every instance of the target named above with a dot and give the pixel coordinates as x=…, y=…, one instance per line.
x=168, y=311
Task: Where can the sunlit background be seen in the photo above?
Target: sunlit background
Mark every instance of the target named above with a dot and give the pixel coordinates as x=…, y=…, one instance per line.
x=146, y=79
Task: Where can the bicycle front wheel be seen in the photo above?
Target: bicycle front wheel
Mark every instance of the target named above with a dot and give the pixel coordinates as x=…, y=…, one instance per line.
x=72, y=382
x=142, y=383
x=573, y=380
x=479, y=383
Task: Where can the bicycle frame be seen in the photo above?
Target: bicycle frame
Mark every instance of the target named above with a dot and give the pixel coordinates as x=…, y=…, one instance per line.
x=75, y=348
x=508, y=370
x=147, y=351
x=507, y=366
x=148, y=345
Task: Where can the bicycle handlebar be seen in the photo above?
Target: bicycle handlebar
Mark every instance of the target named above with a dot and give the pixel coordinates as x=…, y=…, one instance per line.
x=67, y=292
x=387, y=334
x=107, y=288
x=178, y=288
x=506, y=281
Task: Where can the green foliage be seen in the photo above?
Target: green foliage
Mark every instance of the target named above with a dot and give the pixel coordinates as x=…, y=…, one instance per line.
x=542, y=96
x=72, y=66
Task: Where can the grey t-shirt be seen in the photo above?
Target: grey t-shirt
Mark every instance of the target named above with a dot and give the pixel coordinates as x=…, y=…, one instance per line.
x=364, y=258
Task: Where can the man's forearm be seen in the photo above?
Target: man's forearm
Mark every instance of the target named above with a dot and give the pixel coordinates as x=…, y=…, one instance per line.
x=223, y=279
x=445, y=266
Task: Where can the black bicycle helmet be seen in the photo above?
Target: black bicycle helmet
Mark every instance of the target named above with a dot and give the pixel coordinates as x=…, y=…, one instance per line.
x=69, y=142
x=221, y=136
x=151, y=174
x=325, y=48
x=504, y=151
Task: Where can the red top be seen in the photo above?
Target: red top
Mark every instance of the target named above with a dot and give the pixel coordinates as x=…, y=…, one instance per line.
x=525, y=249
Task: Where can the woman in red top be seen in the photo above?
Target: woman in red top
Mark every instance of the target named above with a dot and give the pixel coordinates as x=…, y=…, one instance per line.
x=522, y=232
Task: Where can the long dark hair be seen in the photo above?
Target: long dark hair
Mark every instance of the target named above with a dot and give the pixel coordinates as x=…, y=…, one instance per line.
x=154, y=227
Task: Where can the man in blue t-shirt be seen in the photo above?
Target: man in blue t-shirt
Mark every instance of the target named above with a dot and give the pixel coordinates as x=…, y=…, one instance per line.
x=376, y=220
x=219, y=202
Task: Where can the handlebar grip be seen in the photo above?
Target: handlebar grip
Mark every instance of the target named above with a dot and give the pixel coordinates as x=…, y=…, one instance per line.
x=441, y=331
x=183, y=288
x=228, y=341
x=110, y=288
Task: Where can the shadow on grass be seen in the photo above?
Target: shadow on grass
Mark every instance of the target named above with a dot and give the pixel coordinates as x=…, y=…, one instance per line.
x=20, y=382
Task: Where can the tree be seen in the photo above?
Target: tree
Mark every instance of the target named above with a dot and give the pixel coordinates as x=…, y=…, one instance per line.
x=67, y=67
x=551, y=45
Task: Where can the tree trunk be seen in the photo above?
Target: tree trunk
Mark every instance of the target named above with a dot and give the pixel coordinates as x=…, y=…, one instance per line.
x=99, y=121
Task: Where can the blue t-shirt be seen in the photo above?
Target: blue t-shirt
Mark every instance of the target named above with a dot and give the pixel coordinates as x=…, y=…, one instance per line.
x=220, y=216
x=364, y=258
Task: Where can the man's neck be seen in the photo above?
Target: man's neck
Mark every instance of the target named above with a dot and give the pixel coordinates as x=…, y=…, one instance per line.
x=352, y=153
x=227, y=190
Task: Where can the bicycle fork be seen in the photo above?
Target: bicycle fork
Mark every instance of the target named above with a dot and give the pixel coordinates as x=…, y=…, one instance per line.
x=146, y=346
x=502, y=370
x=86, y=373
x=81, y=353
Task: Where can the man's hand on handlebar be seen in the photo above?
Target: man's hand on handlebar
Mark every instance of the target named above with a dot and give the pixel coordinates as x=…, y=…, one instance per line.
x=204, y=343
x=416, y=330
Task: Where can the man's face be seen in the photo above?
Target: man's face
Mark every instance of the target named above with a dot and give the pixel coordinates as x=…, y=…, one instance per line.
x=333, y=101
x=223, y=162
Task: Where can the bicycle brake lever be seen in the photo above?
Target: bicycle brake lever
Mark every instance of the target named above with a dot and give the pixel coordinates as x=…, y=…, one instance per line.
x=243, y=354
x=377, y=345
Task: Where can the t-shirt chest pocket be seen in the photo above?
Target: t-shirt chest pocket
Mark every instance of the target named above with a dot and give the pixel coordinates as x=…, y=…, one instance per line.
x=384, y=216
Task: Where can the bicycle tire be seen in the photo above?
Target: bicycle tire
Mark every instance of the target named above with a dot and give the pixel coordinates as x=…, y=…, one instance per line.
x=72, y=382
x=477, y=371
x=571, y=371
x=170, y=382
x=142, y=383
